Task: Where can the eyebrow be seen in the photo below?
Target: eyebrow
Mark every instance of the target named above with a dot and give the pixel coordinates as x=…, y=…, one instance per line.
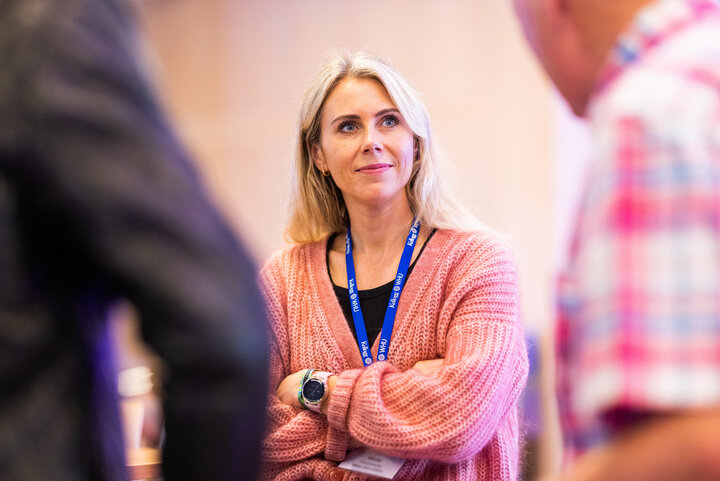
x=356, y=117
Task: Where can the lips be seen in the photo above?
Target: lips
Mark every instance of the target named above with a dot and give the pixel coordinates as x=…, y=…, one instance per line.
x=374, y=168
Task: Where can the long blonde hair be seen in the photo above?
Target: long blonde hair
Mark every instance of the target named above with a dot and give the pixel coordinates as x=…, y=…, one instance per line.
x=317, y=208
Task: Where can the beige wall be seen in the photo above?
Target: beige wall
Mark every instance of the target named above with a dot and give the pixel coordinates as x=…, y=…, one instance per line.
x=232, y=73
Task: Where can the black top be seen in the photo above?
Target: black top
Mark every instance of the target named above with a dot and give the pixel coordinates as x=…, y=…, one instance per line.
x=373, y=302
x=98, y=201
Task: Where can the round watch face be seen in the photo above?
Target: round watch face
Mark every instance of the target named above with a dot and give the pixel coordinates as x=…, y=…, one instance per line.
x=313, y=390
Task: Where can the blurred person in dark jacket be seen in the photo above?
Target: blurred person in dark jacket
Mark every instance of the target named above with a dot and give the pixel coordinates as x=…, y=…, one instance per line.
x=97, y=202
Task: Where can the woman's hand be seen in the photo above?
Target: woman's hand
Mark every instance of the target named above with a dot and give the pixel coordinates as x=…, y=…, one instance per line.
x=288, y=389
x=428, y=367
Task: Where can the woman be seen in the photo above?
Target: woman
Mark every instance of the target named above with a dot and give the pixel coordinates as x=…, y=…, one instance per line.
x=430, y=377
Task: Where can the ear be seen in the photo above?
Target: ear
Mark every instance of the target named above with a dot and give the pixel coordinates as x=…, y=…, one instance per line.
x=416, y=148
x=565, y=6
x=561, y=11
x=317, y=157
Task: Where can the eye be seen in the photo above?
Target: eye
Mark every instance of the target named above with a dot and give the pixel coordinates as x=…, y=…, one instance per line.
x=390, y=121
x=347, y=127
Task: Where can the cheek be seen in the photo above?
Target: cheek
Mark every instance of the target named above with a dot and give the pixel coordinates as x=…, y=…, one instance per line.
x=338, y=150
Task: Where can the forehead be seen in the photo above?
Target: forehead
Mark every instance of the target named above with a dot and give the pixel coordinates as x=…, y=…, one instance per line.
x=357, y=96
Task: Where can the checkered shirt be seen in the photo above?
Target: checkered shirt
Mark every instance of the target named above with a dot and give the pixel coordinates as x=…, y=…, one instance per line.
x=639, y=303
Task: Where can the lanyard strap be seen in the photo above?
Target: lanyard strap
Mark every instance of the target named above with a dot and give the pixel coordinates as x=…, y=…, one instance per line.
x=391, y=310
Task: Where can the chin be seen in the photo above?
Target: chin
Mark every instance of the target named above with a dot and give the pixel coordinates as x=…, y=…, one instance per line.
x=574, y=81
x=380, y=194
x=579, y=106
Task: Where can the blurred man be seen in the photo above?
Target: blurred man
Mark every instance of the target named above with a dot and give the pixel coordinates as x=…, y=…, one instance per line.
x=98, y=201
x=639, y=328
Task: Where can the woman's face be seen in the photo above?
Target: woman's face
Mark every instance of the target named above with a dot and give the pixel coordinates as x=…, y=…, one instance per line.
x=365, y=143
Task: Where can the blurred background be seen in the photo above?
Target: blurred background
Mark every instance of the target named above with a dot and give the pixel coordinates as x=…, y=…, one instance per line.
x=231, y=74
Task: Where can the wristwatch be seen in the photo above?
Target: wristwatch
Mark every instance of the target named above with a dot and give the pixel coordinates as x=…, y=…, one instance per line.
x=314, y=390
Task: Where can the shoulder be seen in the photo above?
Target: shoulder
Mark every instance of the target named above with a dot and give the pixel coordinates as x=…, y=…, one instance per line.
x=656, y=124
x=476, y=244
x=67, y=32
x=468, y=253
x=289, y=261
x=673, y=83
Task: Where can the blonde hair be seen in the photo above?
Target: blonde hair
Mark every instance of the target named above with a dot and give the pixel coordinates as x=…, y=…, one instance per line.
x=317, y=208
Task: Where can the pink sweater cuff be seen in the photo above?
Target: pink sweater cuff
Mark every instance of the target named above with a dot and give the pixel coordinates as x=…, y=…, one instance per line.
x=340, y=399
x=336, y=444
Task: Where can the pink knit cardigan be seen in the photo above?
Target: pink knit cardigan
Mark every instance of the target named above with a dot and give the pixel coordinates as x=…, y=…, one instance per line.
x=460, y=303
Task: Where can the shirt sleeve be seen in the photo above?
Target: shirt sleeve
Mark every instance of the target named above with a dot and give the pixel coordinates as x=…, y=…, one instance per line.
x=452, y=415
x=120, y=206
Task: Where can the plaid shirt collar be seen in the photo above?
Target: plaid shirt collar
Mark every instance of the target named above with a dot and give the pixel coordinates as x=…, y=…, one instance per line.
x=651, y=26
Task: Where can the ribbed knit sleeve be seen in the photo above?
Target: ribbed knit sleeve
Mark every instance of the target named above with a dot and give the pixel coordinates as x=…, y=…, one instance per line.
x=453, y=414
x=292, y=434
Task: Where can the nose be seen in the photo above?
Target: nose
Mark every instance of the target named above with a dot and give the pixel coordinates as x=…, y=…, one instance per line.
x=371, y=145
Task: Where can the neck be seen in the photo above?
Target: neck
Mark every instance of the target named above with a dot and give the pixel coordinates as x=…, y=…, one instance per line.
x=380, y=228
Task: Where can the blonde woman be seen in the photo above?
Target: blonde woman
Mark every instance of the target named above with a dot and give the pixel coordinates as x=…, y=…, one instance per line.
x=396, y=347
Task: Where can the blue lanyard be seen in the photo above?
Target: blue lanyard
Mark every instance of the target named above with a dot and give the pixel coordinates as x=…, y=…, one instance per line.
x=391, y=310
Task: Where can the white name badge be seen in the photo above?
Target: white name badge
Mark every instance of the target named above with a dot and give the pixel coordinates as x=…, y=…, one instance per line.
x=371, y=462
